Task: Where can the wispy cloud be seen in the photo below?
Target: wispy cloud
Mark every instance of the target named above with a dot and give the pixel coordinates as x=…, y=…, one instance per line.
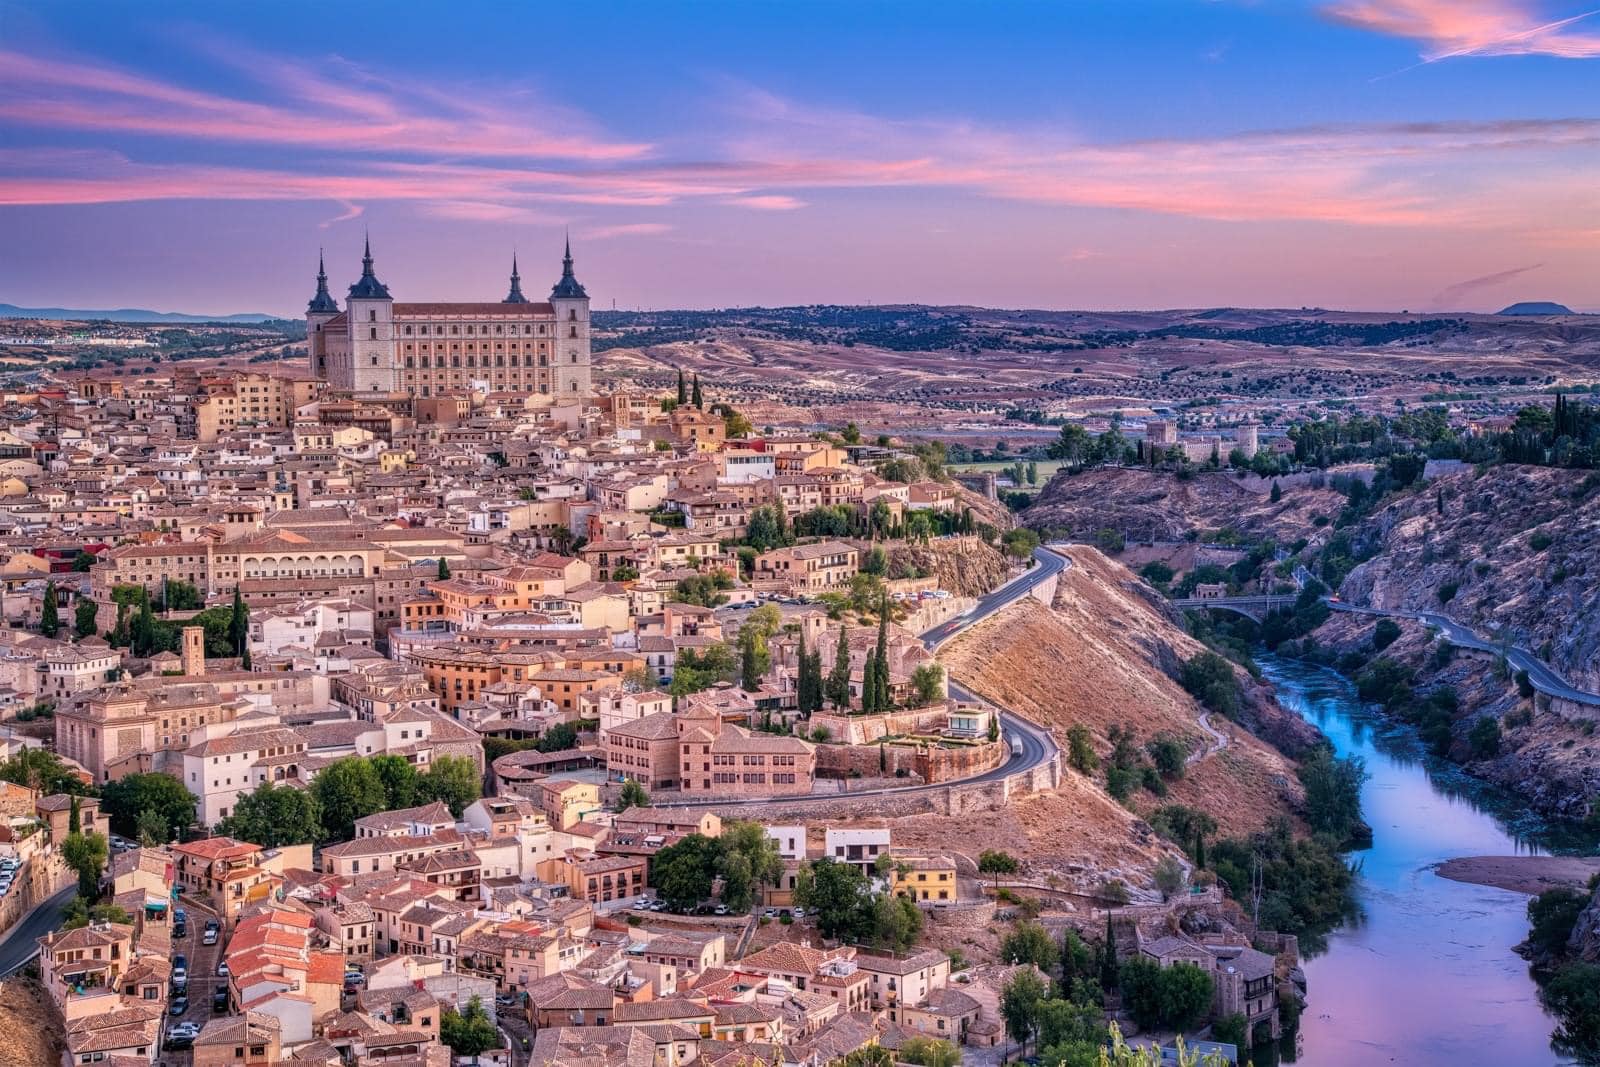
x=360, y=138
x=1453, y=297
x=1451, y=28
x=627, y=229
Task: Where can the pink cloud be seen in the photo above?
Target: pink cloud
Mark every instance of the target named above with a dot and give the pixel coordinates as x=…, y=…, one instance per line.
x=628, y=229
x=1451, y=28
x=48, y=92
x=767, y=202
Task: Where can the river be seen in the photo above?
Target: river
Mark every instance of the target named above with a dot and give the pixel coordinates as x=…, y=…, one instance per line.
x=1427, y=976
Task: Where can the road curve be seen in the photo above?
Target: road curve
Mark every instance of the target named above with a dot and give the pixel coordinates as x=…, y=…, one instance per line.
x=22, y=940
x=1543, y=678
x=1036, y=743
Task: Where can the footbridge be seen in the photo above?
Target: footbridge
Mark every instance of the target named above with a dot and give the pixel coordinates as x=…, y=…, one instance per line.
x=1253, y=607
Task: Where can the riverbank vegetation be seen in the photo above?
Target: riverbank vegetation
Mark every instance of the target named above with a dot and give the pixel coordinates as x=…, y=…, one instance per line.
x=1562, y=953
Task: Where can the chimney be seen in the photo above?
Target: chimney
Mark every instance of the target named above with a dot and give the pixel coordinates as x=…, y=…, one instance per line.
x=194, y=651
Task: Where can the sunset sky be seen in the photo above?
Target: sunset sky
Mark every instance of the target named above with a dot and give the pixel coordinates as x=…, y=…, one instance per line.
x=1373, y=154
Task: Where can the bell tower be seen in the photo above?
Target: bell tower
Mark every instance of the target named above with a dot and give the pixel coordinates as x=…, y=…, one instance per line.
x=570, y=357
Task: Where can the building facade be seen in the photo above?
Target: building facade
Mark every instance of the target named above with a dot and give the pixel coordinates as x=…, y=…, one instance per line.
x=377, y=346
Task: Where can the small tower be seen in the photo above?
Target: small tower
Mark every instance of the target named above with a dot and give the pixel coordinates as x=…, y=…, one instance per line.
x=370, y=309
x=319, y=311
x=194, y=651
x=515, y=296
x=570, y=361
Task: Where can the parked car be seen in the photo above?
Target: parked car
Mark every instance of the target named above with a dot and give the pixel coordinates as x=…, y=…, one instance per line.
x=180, y=1004
x=213, y=931
x=222, y=968
x=219, y=999
x=180, y=923
x=180, y=969
x=182, y=1036
x=721, y=909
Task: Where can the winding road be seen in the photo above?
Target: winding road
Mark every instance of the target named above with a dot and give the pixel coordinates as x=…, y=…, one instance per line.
x=1031, y=744
x=22, y=940
x=1543, y=678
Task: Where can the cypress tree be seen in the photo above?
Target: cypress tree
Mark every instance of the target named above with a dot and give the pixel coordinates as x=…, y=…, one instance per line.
x=869, y=685
x=49, y=614
x=75, y=818
x=880, y=674
x=1108, y=958
x=698, y=398
x=782, y=515
x=802, y=683
x=839, y=677
x=239, y=624
x=683, y=390
x=444, y=569
x=1199, y=850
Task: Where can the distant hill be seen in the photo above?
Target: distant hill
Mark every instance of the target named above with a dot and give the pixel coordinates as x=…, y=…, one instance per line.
x=11, y=311
x=1536, y=307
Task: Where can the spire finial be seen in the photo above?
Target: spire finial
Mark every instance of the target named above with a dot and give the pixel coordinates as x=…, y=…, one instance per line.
x=322, y=301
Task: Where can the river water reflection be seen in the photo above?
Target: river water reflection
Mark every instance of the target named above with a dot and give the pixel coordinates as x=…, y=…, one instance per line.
x=1426, y=976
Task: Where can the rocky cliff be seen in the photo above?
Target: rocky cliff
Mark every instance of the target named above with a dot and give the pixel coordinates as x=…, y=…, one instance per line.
x=1551, y=762
x=966, y=566
x=1145, y=505
x=1512, y=550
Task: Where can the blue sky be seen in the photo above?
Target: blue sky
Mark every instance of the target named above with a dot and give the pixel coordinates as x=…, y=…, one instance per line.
x=1379, y=154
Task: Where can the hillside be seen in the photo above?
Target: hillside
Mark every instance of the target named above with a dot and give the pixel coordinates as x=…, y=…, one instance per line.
x=1551, y=762
x=1513, y=550
x=1146, y=505
x=1103, y=655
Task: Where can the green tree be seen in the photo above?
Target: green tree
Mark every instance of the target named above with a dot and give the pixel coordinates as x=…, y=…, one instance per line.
x=1169, y=755
x=124, y=800
x=1333, y=793
x=633, y=796
x=881, y=700
x=49, y=614
x=894, y=922
x=1553, y=914
x=1028, y=942
x=84, y=617
x=683, y=389
x=347, y=790
x=81, y=913
x=273, y=816
x=836, y=893
x=1210, y=679
x=838, y=684
x=399, y=779
x=42, y=770
x=239, y=624
x=469, y=1032
x=996, y=862
x=1080, y=749
x=444, y=569
x=1168, y=876
x=748, y=862
x=1573, y=996
x=1484, y=737
x=696, y=397
x=152, y=829
x=1072, y=446
x=1020, y=1003
x=927, y=681
x=929, y=1051
x=452, y=779
x=86, y=854
x=682, y=873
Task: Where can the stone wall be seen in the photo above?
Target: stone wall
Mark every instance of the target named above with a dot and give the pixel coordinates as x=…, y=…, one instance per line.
x=969, y=915
x=926, y=763
x=867, y=729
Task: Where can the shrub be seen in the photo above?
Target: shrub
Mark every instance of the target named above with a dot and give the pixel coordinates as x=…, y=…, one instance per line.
x=1484, y=738
x=1447, y=591
x=1386, y=633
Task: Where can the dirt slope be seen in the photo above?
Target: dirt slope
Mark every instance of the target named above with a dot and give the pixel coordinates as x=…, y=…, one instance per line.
x=1100, y=655
x=1153, y=506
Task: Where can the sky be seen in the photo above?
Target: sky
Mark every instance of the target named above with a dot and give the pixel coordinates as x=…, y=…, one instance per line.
x=1112, y=154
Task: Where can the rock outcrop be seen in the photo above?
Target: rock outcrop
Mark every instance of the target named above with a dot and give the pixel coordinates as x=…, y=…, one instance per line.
x=966, y=566
x=1145, y=505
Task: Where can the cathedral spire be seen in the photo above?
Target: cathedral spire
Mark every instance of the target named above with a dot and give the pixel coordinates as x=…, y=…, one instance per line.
x=515, y=296
x=322, y=301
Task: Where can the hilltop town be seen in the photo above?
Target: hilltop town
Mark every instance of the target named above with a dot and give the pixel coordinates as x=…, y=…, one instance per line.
x=424, y=691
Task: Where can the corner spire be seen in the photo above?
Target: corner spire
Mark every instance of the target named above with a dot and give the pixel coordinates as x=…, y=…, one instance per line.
x=568, y=288
x=515, y=296
x=369, y=287
x=323, y=300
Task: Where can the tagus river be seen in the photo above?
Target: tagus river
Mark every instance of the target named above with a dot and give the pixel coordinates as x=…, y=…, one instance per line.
x=1426, y=976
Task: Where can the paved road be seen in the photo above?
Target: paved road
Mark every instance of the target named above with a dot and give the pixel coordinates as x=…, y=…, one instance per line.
x=1543, y=678
x=22, y=940
x=1035, y=742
